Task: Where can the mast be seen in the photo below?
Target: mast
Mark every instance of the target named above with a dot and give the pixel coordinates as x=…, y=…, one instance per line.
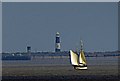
x=82, y=56
x=81, y=44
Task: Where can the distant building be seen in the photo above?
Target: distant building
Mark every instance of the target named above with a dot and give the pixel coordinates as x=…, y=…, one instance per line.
x=57, y=42
x=28, y=49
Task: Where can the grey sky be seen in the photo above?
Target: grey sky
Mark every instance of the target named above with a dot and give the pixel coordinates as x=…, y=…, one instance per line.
x=36, y=24
x=60, y=0
x=0, y=40
x=0, y=28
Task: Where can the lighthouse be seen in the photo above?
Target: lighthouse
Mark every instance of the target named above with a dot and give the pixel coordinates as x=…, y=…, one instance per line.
x=57, y=42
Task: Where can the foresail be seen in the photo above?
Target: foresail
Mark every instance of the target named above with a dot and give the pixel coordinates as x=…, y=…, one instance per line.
x=74, y=58
x=82, y=57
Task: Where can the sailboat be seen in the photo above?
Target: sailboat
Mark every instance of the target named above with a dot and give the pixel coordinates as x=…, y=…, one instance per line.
x=78, y=61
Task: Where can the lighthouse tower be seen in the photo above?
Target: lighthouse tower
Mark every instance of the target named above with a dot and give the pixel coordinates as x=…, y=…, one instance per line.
x=57, y=42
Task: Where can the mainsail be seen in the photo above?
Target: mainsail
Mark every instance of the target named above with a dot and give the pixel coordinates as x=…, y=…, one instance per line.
x=74, y=58
x=82, y=57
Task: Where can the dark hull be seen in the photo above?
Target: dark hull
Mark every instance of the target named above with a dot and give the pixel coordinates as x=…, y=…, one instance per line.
x=79, y=67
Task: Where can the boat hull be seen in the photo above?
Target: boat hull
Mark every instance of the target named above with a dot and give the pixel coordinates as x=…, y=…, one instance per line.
x=78, y=67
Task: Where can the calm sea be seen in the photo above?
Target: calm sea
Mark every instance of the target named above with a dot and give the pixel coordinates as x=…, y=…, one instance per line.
x=62, y=61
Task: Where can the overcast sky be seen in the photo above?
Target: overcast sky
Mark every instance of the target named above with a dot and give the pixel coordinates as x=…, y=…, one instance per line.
x=60, y=0
x=35, y=24
x=0, y=27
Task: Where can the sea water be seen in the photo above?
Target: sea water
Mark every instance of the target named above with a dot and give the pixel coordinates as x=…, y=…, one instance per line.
x=62, y=61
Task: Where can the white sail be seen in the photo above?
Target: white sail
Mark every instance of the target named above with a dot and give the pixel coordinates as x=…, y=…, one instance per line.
x=78, y=62
x=74, y=58
x=82, y=57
